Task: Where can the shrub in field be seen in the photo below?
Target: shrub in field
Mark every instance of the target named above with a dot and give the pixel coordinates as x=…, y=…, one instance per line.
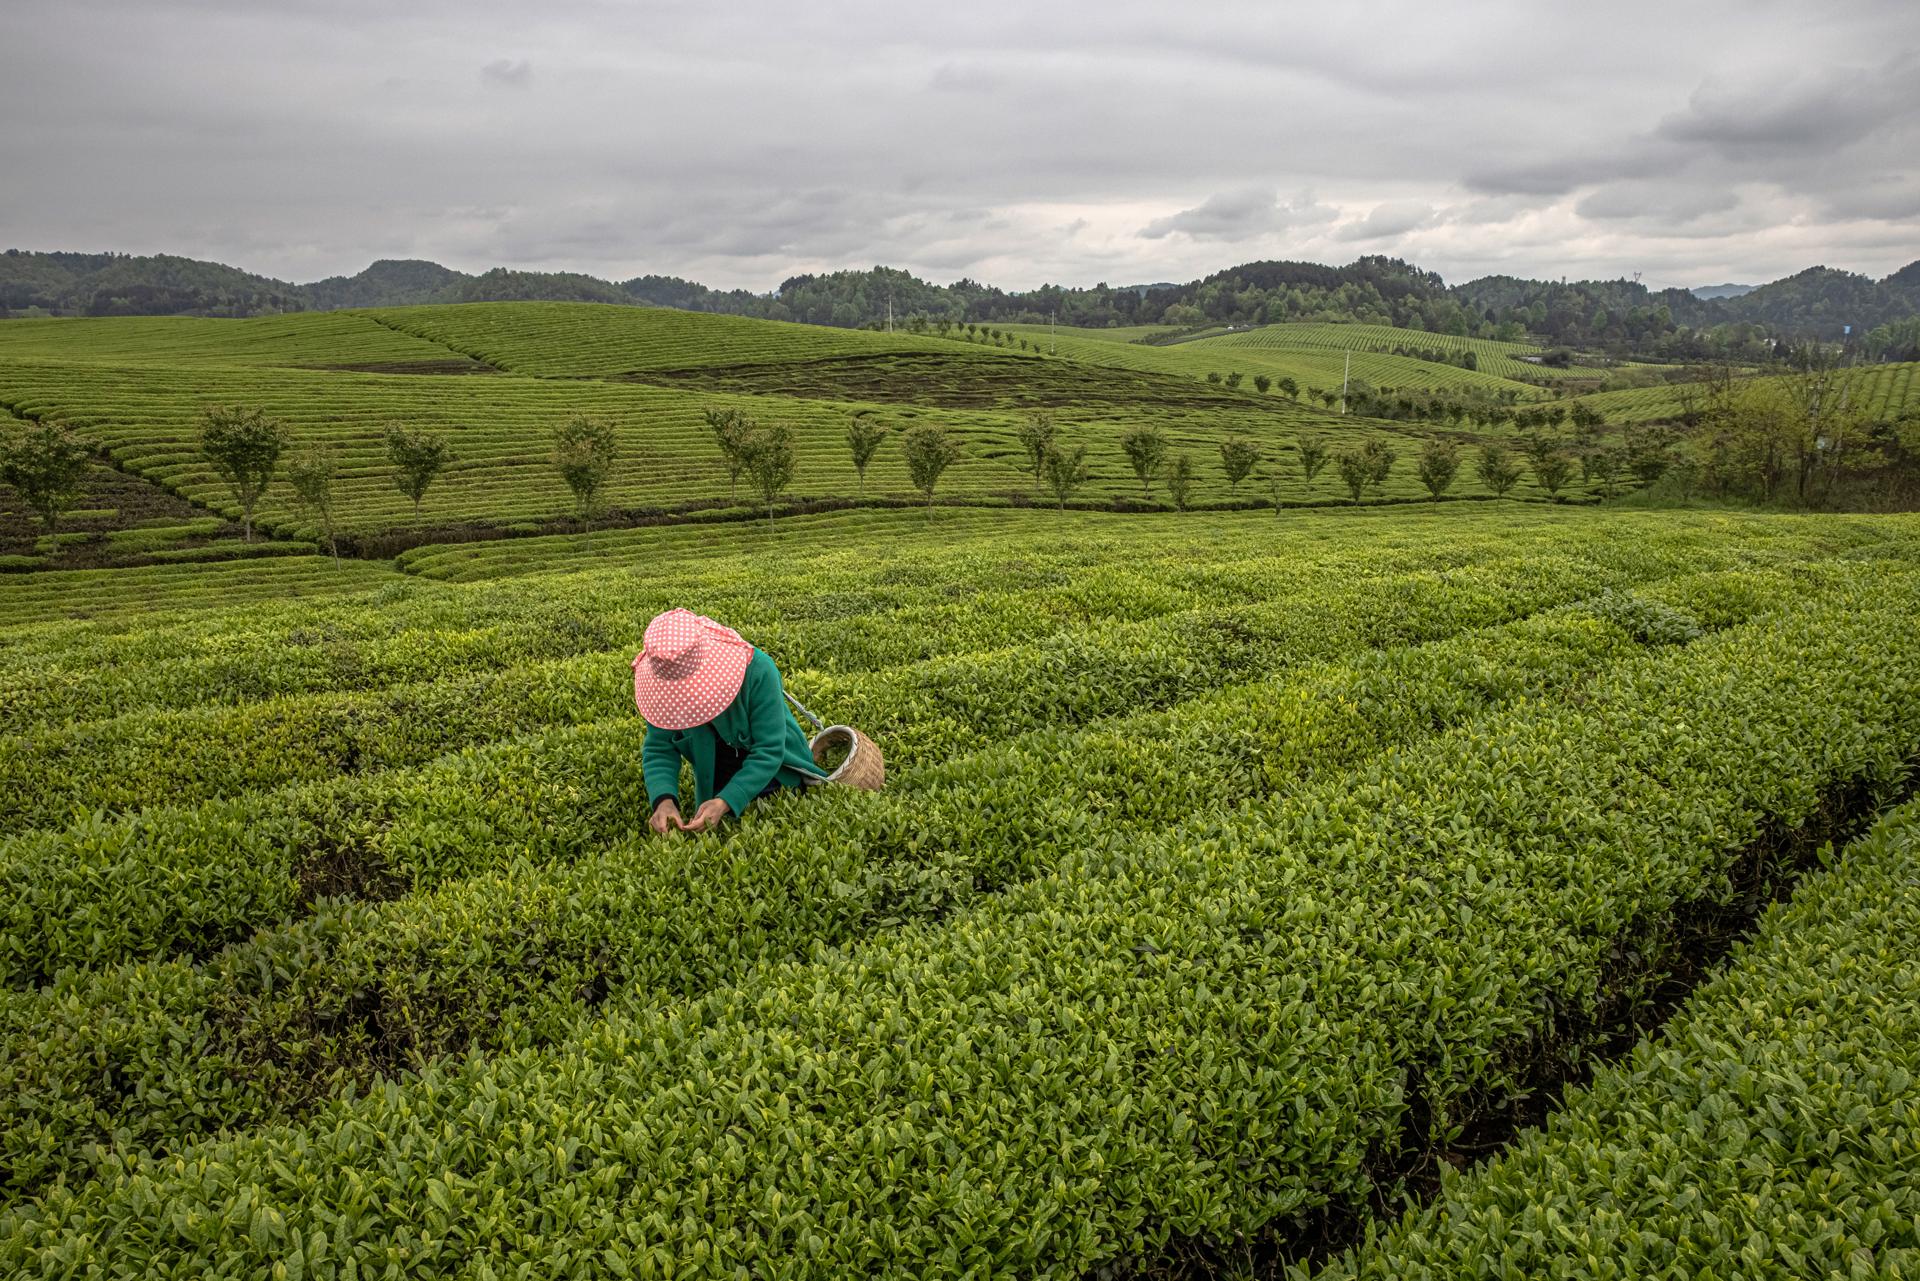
x=1036, y=435
x=1066, y=471
x=1651, y=622
x=1180, y=479
x=1439, y=461
x=1238, y=457
x=418, y=458
x=929, y=451
x=865, y=435
x=583, y=452
x=1313, y=456
x=1552, y=469
x=310, y=472
x=1356, y=473
x=1146, y=451
x=1289, y=388
x=1261, y=383
x=730, y=428
x=1649, y=450
x=1496, y=468
x=244, y=446
x=45, y=463
x=1552, y=472
x=1366, y=466
x=771, y=461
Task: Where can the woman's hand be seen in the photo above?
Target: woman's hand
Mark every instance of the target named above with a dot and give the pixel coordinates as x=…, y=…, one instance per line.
x=666, y=817
x=707, y=817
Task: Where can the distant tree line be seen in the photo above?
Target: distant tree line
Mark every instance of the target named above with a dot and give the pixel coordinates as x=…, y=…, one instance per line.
x=1617, y=317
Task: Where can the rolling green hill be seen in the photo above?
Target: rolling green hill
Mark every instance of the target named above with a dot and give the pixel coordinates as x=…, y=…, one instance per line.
x=136, y=387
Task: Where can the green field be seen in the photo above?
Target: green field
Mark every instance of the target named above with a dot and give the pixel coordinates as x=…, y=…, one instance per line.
x=1883, y=391
x=330, y=936
x=1500, y=359
x=497, y=378
x=1313, y=361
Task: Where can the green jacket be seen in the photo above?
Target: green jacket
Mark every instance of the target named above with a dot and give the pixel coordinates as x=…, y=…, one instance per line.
x=757, y=723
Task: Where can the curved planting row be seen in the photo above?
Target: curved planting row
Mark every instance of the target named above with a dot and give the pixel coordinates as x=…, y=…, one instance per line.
x=192, y=880
x=1767, y=1132
x=151, y=1053
x=414, y=632
x=1192, y=1033
x=182, y=756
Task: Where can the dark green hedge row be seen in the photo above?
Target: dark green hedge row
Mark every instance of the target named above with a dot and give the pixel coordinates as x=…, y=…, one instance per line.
x=1771, y=1131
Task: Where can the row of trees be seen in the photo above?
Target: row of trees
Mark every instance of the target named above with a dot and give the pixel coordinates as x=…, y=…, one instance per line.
x=248, y=449
x=765, y=453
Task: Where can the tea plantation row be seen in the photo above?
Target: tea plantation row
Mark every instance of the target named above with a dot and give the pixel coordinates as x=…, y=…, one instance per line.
x=1768, y=1132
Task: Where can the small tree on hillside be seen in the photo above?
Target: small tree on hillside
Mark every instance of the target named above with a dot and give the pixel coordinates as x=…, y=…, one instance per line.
x=1602, y=467
x=1289, y=388
x=1313, y=456
x=730, y=428
x=1552, y=471
x=46, y=464
x=1261, y=383
x=1036, y=436
x=1649, y=451
x=1497, y=469
x=1180, y=479
x=1238, y=457
x=1233, y=379
x=929, y=452
x=583, y=451
x=244, y=446
x=1065, y=472
x=1146, y=449
x=310, y=471
x=1356, y=473
x=770, y=462
x=417, y=458
x=865, y=435
x=1439, y=461
x=1379, y=462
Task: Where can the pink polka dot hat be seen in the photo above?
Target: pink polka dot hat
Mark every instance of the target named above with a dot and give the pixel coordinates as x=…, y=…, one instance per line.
x=690, y=669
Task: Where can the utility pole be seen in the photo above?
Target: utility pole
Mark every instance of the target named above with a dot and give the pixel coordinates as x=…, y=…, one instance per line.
x=1344, y=380
x=1051, y=349
x=889, y=311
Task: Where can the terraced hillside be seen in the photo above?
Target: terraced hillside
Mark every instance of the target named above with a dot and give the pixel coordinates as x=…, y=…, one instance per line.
x=496, y=379
x=1313, y=362
x=1231, y=866
x=1884, y=392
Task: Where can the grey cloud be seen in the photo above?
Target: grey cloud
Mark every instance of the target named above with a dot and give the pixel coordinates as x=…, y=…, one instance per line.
x=950, y=77
x=1018, y=143
x=1395, y=218
x=508, y=73
x=1239, y=215
x=1809, y=113
x=1665, y=203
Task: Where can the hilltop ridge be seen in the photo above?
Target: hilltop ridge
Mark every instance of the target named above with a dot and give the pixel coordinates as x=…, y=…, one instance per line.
x=1819, y=302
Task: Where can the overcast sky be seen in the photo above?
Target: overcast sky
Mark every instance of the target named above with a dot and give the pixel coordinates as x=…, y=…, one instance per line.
x=1694, y=141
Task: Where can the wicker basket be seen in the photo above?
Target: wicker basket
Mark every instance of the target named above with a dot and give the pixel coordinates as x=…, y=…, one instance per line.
x=864, y=767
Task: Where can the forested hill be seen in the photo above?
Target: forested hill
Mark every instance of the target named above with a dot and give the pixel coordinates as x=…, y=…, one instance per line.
x=1605, y=315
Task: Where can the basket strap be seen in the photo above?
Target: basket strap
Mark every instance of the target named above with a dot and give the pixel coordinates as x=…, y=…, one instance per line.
x=817, y=722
